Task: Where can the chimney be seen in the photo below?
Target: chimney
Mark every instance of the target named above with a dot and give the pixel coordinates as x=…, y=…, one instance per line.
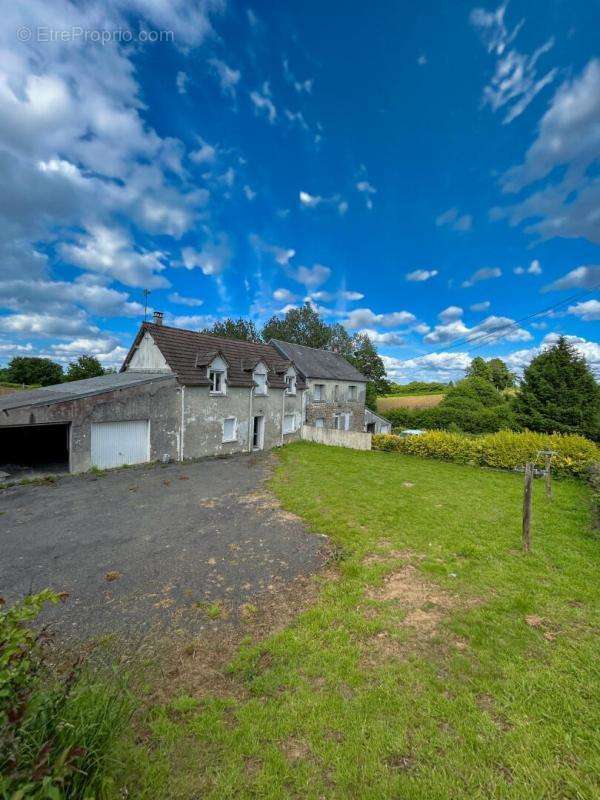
x=158, y=317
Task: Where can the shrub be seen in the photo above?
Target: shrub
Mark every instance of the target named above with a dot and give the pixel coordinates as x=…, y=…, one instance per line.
x=58, y=731
x=504, y=450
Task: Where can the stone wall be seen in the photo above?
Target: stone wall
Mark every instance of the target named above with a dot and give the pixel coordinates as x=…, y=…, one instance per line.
x=327, y=409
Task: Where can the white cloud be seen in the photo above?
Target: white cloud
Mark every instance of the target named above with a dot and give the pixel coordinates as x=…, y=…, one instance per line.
x=341, y=295
x=494, y=329
x=284, y=296
x=515, y=82
x=422, y=60
x=367, y=189
x=301, y=86
x=47, y=325
x=484, y=274
x=249, y=192
x=205, y=154
x=191, y=321
x=213, y=258
x=589, y=310
x=438, y=363
x=451, y=313
x=308, y=200
x=181, y=81
x=391, y=339
x=60, y=297
x=263, y=104
x=311, y=276
x=282, y=255
x=483, y=306
x=533, y=269
x=565, y=149
x=110, y=251
x=454, y=220
x=421, y=274
x=579, y=278
x=365, y=318
x=181, y=300
x=228, y=78
x=520, y=359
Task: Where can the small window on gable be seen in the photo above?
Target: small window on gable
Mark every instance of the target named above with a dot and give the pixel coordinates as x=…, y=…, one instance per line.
x=217, y=381
x=260, y=379
x=230, y=429
x=290, y=383
x=352, y=393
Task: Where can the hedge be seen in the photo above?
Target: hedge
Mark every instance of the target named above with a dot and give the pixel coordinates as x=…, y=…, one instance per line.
x=575, y=455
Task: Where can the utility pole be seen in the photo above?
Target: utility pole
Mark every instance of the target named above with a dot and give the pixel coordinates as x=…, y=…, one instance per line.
x=146, y=293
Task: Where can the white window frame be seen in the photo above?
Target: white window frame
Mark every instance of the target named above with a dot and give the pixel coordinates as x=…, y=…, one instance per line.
x=337, y=420
x=235, y=430
x=321, y=389
x=352, y=392
x=263, y=374
x=213, y=376
x=292, y=429
x=321, y=420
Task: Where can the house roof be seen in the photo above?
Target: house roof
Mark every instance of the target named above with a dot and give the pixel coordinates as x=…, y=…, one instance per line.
x=74, y=390
x=188, y=353
x=314, y=363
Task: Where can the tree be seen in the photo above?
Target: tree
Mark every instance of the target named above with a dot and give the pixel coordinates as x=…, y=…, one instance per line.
x=31, y=370
x=558, y=393
x=340, y=341
x=85, y=367
x=242, y=329
x=478, y=369
x=299, y=326
x=367, y=360
x=500, y=375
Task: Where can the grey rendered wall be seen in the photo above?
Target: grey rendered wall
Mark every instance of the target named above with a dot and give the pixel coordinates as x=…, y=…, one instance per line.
x=330, y=407
x=157, y=401
x=205, y=413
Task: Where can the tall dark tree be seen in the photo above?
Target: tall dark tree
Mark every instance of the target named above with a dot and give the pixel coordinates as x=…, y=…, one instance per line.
x=32, y=370
x=559, y=393
x=243, y=329
x=340, y=340
x=367, y=360
x=84, y=367
x=299, y=326
x=495, y=371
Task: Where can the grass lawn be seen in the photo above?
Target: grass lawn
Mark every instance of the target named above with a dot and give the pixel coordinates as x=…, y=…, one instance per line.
x=438, y=662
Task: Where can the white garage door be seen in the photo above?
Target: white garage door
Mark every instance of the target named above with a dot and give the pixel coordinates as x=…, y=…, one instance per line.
x=118, y=443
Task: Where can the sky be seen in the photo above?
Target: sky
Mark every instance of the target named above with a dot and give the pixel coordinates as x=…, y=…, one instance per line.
x=426, y=172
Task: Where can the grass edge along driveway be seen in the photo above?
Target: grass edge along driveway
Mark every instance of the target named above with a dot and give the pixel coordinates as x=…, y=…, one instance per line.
x=441, y=663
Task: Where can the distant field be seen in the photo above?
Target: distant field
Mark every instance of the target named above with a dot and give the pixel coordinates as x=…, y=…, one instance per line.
x=409, y=401
x=9, y=388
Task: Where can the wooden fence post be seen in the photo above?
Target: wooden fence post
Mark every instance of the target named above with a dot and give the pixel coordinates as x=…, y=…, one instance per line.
x=527, y=507
x=548, y=476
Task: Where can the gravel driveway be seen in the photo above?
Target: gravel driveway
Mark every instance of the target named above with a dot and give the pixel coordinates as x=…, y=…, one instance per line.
x=173, y=546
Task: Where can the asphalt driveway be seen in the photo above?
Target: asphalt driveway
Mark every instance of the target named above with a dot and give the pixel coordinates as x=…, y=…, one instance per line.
x=169, y=546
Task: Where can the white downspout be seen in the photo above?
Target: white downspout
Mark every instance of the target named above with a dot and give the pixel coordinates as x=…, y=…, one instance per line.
x=250, y=421
x=282, y=413
x=182, y=426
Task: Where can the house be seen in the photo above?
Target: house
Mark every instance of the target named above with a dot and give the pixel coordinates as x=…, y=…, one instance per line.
x=335, y=389
x=376, y=424
x=180, y=394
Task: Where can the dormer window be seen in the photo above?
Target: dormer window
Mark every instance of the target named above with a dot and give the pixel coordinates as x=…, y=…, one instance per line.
x=217, y=381
x=290, y=383
x=260, y=379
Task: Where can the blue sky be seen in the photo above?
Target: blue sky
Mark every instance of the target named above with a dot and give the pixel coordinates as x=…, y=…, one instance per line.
x=427, y=172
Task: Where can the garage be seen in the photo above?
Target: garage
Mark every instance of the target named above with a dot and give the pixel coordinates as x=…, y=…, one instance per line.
x=115, y=444
x=42, y=448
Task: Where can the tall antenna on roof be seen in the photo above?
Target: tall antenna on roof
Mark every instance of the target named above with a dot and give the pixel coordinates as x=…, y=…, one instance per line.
x=146, y=293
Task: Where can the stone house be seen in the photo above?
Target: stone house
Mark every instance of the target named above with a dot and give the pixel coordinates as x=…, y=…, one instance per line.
x=335, y=389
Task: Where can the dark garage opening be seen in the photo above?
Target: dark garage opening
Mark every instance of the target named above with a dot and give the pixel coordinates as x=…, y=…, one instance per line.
x=42, y=448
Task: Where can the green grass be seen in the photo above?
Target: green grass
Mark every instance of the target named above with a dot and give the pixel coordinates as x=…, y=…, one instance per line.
x=349, y=702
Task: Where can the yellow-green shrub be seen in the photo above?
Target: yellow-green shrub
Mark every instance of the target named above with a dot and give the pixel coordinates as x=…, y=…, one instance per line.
x=502, y=450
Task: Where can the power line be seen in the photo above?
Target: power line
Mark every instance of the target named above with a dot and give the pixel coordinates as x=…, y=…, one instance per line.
x=485, y=337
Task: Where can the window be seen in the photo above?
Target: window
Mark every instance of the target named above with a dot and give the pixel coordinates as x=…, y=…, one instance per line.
x=336, y=392
x=230, y=429
x=289, y=425
x=320, y=422
x=217, y=381
x=260, y=378
x=290, y=384
x=352, y=393
x=319, y=392
x=337, y=420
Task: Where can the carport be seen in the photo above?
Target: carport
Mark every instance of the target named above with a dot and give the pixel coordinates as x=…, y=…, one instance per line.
x=109, y=421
